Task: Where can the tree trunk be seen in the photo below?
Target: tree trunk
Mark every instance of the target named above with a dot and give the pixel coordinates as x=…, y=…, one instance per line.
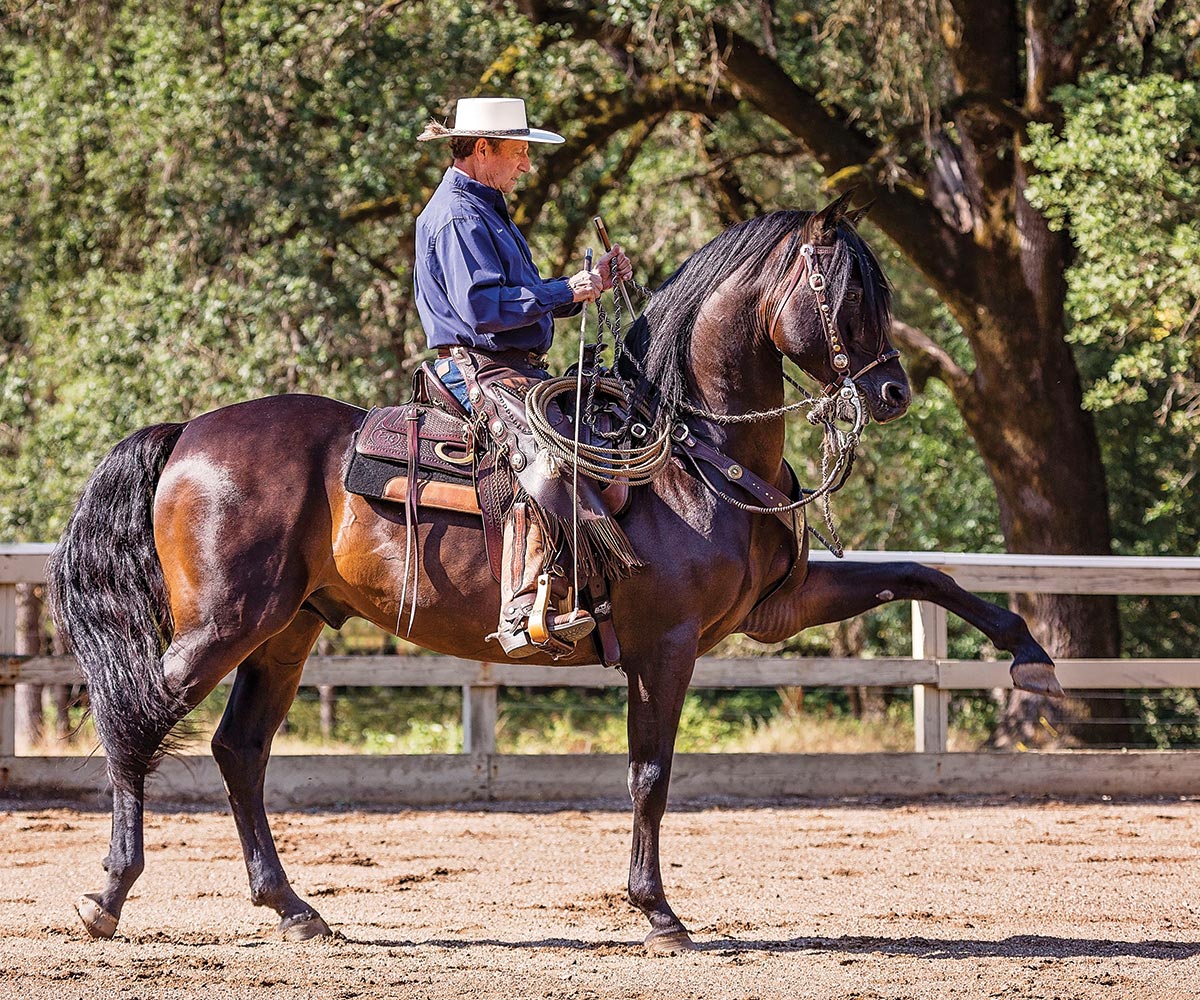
x=1040, y=449
x=993, y=261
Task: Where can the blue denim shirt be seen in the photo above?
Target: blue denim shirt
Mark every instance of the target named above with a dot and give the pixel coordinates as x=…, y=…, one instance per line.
x=475, y=280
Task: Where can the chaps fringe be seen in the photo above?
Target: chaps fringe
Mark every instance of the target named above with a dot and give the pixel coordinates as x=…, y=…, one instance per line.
x=604, y=548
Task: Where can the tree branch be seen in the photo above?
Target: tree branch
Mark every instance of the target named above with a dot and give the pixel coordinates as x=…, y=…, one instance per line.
x=924, y=360
x=607, y=182
x=1053, y=63
x=605, y=116
x=716, y=164
x=948, y=259
x=379, y=208
x=983, y=42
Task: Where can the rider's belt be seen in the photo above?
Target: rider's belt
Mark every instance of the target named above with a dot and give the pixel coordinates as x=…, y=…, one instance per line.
x=513, y=357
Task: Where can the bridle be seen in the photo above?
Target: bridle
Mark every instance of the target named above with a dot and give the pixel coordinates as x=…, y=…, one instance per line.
x=839, y=358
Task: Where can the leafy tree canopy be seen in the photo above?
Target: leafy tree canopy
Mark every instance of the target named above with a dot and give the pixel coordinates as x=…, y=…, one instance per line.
x=1123, y=175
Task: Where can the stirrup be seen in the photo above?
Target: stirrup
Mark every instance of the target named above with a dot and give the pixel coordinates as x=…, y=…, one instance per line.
x=545, y=631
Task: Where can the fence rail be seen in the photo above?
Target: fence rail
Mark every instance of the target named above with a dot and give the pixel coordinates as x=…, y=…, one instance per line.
x=479, y=772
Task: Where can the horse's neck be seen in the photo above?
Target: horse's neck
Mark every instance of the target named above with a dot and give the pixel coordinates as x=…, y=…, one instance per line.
x=734, y=372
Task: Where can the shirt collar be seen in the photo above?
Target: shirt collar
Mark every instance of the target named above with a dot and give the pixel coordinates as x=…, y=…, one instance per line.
x=464, y=182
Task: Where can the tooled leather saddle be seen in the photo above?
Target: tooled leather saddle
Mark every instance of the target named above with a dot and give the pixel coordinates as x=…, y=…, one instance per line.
x=425, y=453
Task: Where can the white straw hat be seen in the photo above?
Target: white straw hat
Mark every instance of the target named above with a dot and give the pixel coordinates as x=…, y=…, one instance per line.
x=495, y=117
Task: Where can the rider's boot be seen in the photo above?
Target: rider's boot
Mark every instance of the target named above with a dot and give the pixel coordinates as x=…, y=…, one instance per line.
x=530, y=621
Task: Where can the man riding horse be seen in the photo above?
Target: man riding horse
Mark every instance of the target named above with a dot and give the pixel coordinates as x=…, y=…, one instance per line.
x=489, y=313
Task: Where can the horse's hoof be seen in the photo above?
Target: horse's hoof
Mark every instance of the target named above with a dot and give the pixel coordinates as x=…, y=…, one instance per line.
x=97, y=921
x=668, y=942
x=303, y=927
x=1038, y=678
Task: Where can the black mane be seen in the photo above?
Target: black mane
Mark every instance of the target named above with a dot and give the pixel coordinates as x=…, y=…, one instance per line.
x=661, y=337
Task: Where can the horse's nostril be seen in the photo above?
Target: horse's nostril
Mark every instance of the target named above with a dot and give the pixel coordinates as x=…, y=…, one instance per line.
x=895, y=393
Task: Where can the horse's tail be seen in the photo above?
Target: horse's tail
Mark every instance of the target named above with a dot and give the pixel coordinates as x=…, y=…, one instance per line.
x=109, y=600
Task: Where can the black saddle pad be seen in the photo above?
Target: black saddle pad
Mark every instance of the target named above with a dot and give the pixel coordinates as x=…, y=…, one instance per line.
x=369, y=476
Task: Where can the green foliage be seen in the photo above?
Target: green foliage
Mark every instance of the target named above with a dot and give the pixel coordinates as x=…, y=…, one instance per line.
x=1170, y=719
x=197, y=211
x=1123, y=174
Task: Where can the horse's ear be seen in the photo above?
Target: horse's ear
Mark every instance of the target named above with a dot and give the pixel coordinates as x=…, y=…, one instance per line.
x=856, y=216
x=825, y=221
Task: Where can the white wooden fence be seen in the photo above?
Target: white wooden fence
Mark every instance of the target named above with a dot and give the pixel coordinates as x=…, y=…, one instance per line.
x=479, y=773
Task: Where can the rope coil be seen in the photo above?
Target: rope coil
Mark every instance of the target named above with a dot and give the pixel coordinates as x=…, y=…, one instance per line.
x=636, y=465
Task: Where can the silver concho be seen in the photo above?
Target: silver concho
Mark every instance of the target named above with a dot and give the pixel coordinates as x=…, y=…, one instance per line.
x=841, y=362
x=517, y=461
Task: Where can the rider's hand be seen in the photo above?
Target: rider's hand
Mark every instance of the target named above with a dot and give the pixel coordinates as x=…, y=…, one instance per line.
x=614, y=266
x=586, y=286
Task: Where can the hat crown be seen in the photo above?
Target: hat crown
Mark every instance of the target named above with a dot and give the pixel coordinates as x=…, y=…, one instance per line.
x=490, y=114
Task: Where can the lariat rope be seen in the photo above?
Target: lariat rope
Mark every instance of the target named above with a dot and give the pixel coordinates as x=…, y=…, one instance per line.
x=639, y=464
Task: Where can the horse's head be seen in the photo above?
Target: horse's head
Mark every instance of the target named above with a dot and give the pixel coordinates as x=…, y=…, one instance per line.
x=829, y=311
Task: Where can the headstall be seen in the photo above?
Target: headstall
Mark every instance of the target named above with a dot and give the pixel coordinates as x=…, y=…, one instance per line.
x=839, y=358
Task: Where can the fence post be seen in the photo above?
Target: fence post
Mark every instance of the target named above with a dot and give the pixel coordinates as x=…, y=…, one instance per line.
x=30, y=723
x=931, y=705
x=480, y=713
x=8, y=647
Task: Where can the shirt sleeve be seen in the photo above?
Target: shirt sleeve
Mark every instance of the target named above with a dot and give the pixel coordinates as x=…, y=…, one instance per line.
x=477, y=281
x=570, y=309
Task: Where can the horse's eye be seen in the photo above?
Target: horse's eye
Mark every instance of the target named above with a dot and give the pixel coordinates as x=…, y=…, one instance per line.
x=854, y=295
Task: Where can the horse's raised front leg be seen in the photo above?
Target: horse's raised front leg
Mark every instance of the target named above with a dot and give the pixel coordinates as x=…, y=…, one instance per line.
x=836, y=591
x=264, y=690
x=656, y=692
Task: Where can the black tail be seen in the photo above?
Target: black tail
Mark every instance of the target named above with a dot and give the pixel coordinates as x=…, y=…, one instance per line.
x=109, y=599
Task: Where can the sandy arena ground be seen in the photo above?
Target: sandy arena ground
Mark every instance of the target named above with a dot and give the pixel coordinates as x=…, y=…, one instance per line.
x=809, y=899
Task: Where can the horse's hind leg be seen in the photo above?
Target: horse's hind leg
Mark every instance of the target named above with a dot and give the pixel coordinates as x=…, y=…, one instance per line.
x=125, y=861
x=264, y=690
x=193, y=665
x=836, y=591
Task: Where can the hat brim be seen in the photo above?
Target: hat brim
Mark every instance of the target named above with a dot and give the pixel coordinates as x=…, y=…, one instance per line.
x=520, y=134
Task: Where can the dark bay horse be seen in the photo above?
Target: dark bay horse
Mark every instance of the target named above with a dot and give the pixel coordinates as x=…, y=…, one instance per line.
x=229, y=542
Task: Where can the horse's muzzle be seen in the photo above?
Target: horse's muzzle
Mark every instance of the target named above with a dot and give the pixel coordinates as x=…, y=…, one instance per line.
x=888, y=400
